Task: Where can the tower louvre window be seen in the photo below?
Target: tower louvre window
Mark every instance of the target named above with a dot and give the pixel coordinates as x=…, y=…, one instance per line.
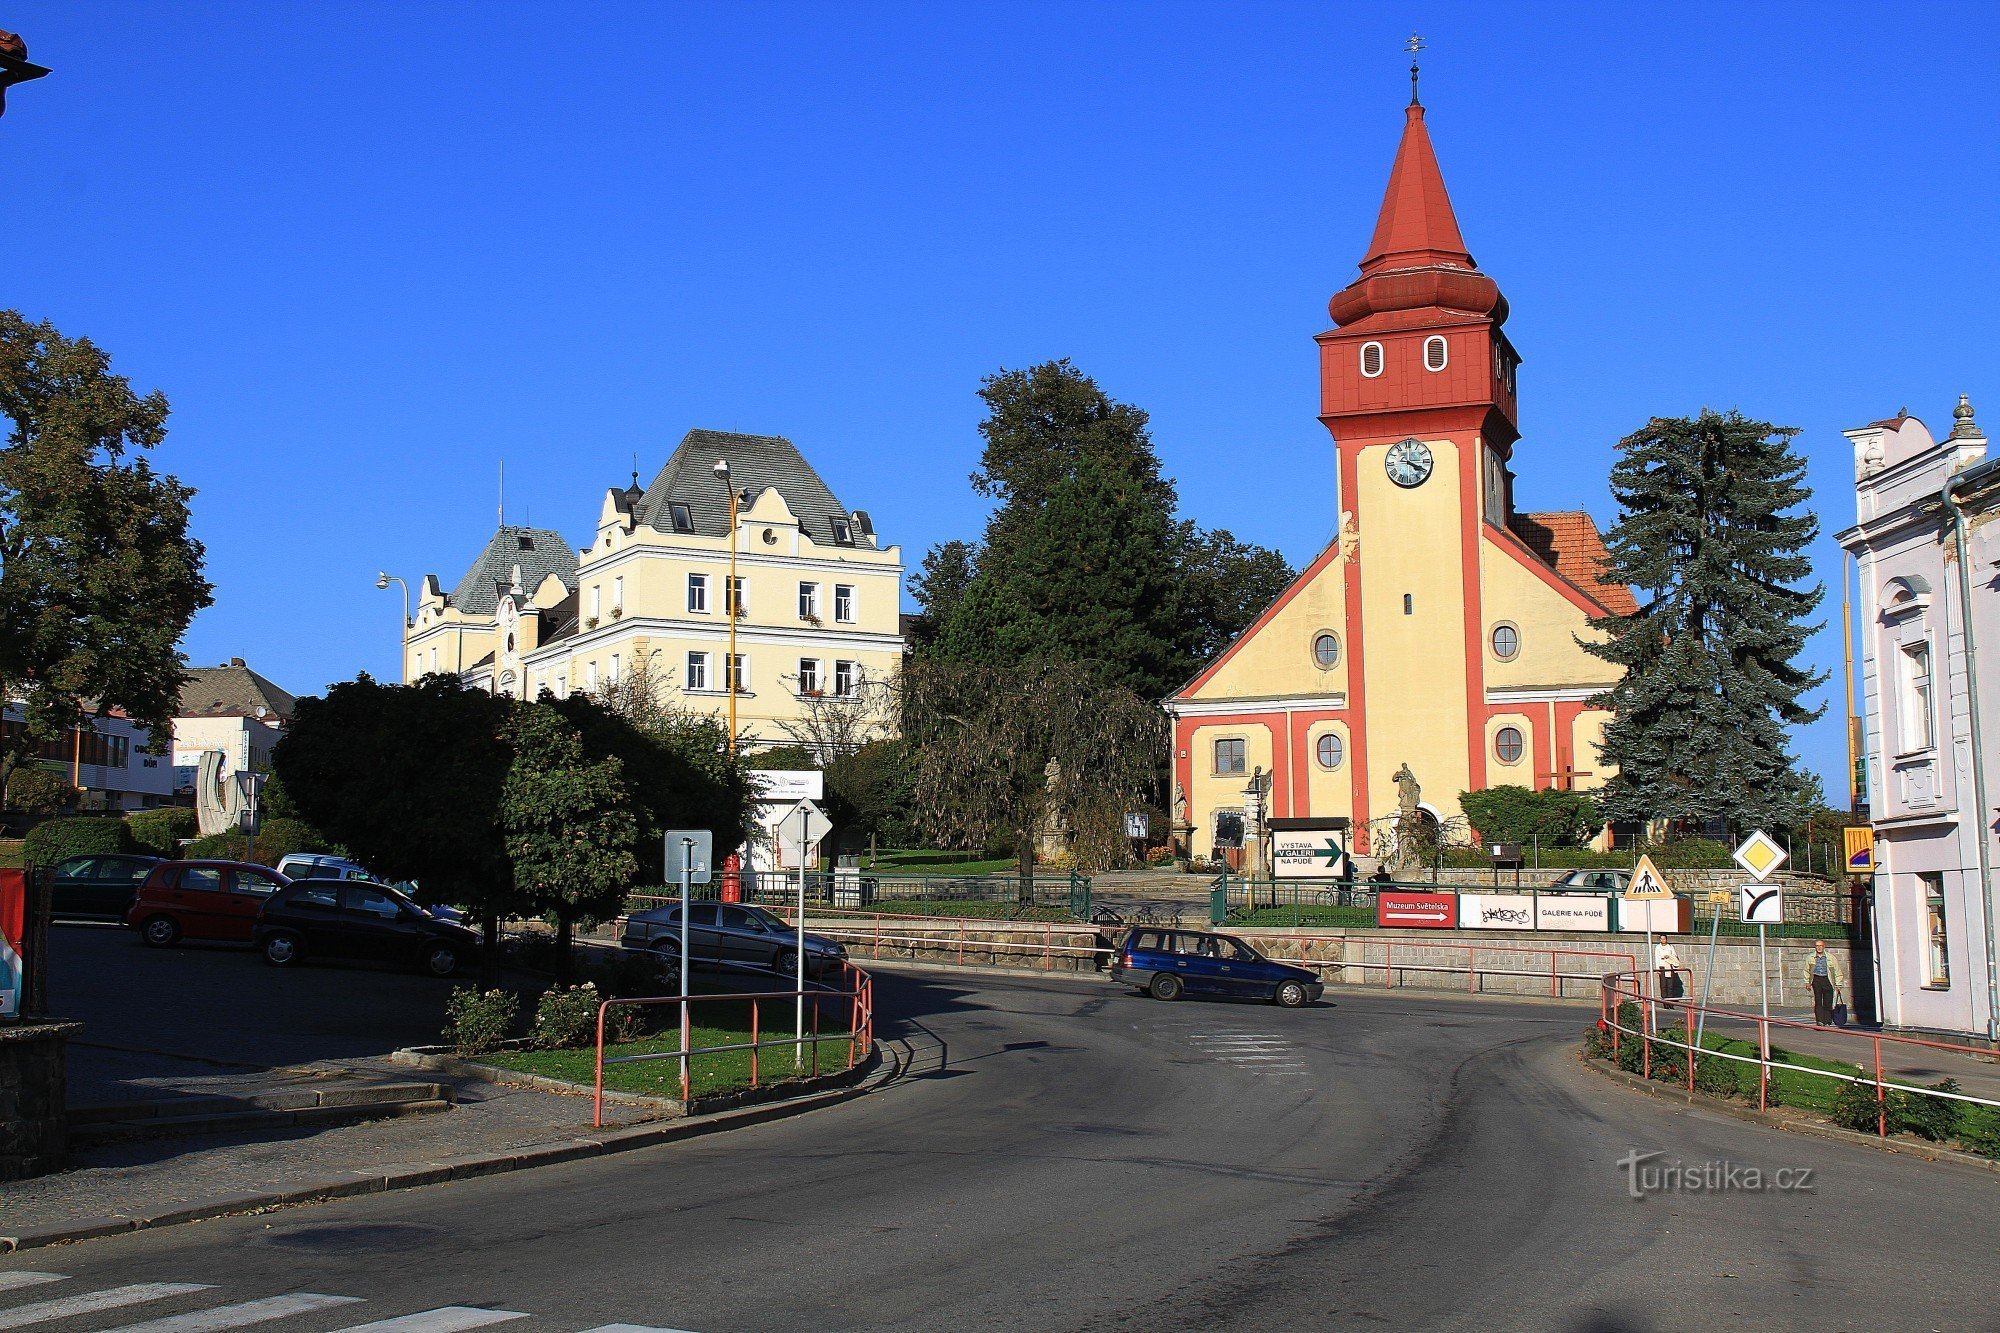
x=1371, y=359
x=1436, y=353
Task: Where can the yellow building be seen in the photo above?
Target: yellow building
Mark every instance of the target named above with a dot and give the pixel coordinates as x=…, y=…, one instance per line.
x=1439, y=629
x=816, y=596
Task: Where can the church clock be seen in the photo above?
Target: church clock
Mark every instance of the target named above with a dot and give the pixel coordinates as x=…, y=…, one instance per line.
x=1408, y=463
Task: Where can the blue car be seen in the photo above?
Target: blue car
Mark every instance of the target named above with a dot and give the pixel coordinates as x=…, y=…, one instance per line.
x=1169, y=963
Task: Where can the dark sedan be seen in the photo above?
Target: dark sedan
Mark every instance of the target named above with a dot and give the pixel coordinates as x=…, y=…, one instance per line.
x=731, y=933
x=353, y=919
x=99, y=888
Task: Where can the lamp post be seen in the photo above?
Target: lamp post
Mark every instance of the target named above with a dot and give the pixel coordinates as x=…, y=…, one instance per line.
x=730, y=602
x=383, y=580
x=15, y=67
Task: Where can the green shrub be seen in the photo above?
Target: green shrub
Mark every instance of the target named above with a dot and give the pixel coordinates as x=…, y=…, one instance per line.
x=55, y=840
x=1979, y=1130
x=159, y=832
x=1596, y=1043
x=1691, y=854
x=1716, y=1077
x=1856, y=1107
x=566, y=1016
x=1517, y=814
x=1669, y=1062
x=1933, y=1118
x=38, y=791
x=476, y=1022
x=278, y=839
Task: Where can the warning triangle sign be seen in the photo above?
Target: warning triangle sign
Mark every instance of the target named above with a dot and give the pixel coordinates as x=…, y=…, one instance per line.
x=1648, y=884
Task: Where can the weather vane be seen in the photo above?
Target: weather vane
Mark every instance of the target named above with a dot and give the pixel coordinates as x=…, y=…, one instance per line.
x=1414, y=45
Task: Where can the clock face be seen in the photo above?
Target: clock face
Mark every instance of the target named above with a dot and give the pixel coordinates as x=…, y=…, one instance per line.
x=1408, y=462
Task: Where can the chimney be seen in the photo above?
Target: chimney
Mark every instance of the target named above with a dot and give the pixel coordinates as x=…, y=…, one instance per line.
x=236, y=661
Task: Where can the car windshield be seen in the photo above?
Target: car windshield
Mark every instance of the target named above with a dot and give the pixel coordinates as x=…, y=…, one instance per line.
x=1235, y=951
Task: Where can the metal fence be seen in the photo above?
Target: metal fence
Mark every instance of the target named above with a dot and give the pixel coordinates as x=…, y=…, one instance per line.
x=1059, y=896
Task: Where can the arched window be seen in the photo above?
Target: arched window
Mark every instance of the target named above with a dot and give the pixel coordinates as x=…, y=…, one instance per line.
x=1506, y=642
x=1326, y=650
x=1507, y=745
x=1371, y=359
x=1436, y=354
x=1330, y=750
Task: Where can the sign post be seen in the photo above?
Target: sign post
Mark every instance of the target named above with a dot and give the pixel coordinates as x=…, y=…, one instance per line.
x=1762, y=906
x=801, y=830
x=1648, y=886
x=1717, y=900
x=689, y=854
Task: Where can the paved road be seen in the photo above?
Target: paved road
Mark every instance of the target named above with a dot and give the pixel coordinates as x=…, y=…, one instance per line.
x=1067, y=1155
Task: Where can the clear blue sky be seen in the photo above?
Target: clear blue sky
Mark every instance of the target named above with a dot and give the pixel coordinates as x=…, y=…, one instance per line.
x=370, y=250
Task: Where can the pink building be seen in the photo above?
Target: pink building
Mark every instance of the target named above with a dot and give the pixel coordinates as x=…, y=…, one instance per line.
x=1928, y=617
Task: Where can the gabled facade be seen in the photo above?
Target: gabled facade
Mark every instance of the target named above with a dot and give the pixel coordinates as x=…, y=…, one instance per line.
x=1438, y=630
x=817, y=617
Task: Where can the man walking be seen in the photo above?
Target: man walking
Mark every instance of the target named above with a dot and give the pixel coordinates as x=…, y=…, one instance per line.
x=1824, y=974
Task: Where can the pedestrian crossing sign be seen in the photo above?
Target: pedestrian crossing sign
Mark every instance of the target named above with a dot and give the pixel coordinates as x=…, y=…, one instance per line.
x=1648, y=884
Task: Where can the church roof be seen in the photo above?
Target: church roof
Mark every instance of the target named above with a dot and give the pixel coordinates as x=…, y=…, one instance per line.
x=538, y=551
x=756, y=463
x=1568, y=542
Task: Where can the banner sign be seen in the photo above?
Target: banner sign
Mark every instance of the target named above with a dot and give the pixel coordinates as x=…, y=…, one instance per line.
x=1496, y=911
x=1572, y=911
x=1427, y=911
x=1307, y=853
x=1860, y=850
x=13, y=933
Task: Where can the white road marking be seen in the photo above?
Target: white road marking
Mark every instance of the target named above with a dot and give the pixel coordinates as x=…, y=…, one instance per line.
x=68, y=1307
x=15, y=1281
x=237, y=1316
x=632, y=1328
x=447, y=1319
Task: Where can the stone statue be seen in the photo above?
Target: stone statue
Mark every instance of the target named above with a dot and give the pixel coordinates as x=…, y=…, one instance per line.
x=1409, y=825
x=1053, y=834
x=1408, y=793
x=1180, y=807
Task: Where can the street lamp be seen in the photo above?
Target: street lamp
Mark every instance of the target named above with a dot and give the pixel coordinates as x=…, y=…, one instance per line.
x=15, y=66
x=383, y=580
x=730, y=602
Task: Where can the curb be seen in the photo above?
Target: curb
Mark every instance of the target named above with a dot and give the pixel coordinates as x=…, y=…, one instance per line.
x=348, y=1183
x=1796, y=1124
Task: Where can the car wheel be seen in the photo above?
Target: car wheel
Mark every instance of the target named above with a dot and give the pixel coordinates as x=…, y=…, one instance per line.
x=786, y=962
x=1165, y=986
x=1290, y=994
x=281, y=950
x=441, y=960
x=160, y=932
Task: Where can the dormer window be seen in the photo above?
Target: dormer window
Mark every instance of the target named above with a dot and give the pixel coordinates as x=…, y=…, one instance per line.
x=680, y=516
x=843, y=532
x=1436, y=353
x=527, y=543
x=1371, y=360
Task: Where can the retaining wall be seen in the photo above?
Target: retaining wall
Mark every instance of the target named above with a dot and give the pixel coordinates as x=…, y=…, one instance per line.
x=34, y=1117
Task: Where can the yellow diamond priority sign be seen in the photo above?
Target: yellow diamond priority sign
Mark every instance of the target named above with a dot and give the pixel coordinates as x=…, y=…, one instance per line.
x=1760, y=856
x=1648, y=884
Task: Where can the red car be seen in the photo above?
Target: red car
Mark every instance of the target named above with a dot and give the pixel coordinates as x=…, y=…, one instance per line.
x=202, y=900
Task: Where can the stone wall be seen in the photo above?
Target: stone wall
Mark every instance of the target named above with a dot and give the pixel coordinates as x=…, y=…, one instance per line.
x=34, y=1120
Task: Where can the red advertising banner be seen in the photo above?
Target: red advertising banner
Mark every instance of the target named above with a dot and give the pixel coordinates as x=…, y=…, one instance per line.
x=13, y=920
x=1428, y=911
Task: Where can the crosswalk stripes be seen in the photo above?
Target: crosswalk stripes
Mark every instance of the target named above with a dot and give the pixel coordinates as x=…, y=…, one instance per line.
x=1253, y=1050
x=102, y=1308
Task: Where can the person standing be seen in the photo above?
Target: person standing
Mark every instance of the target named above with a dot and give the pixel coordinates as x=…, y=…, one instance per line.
x=1673, y=975
x=1823, y=972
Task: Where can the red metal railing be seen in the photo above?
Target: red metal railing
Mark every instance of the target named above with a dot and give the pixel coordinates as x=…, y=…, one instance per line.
x=953, y=934
x=1621, y=988
x=858, y=990
x=1415, y=953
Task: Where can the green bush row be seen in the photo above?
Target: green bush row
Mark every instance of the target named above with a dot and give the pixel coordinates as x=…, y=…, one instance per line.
x=160, y=833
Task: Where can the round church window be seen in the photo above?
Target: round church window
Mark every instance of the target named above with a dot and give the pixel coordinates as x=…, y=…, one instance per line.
x=1507, y=745
x=1506, y=642
x=1330, y=750
x=1326, y=650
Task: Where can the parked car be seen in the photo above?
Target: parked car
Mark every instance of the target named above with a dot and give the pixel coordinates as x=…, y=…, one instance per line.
x=1593, y=881
x=348, y=918
x=731, y=933
x=99, y=887
x=320, y=865
x=201, y=900
x=1167, y=963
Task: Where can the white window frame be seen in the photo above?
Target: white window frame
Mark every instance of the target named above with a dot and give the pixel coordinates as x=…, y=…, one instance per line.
x=597, y=601
x=843, y=603
x=808, y=600
x=1242, y=756
x=1936, y=936
x=809, y=682
x=1915, y=696
x=618, y=594
x=1381, y=360
x=614, y=669
x=697, y=671
x=737, y=677
x=697, y=595
x=1438, y=341
x=590, y=675
x=845, y=674
x=737, y=601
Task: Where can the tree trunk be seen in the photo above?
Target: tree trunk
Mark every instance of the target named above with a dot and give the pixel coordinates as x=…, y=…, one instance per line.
x=489, y=954
x=1025, y=854
x=565, y=945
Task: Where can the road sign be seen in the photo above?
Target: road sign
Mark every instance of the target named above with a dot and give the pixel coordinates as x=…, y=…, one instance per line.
x=1718, y=896
x=1426, y=911
x=1860, y=850
x=1760, y=856
x=1139, y=825
x=1648, y=884
x=801, y=831
x=1761, y=904
x=697, y=858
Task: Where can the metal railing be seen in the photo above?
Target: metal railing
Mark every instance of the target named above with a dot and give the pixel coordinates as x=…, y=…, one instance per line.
x=1631, y=991
x=1057, y=892
x=859, y=1038
x=955, y=935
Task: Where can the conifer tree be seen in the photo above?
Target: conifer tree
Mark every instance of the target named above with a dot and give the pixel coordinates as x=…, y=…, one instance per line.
x=1712, y=537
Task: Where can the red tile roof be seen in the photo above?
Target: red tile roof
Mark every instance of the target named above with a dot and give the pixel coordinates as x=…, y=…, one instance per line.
x=1568, y=541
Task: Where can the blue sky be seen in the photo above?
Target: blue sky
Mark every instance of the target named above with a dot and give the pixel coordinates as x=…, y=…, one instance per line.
x=371, y=250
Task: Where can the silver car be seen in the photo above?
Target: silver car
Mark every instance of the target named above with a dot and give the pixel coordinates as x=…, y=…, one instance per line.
x=730, y=934
x=1593, y=881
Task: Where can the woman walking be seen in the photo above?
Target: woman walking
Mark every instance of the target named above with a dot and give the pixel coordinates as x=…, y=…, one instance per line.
x=1824, y=974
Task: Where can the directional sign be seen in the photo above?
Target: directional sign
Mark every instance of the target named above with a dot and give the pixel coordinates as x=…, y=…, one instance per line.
x=1307, y=853
x=1139, y=825
x=1760, y=856
x=1428, y=911
x=1761, y=904
x=1860, y=850
x=1648, y=884
x=801, y=830
x=697, y=858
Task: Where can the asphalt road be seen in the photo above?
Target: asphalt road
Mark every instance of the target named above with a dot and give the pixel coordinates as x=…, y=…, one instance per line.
x=1068, y=1155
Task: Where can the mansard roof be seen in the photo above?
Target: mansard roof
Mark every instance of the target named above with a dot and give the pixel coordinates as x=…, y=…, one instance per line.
x=756, y=463
x=538, y=551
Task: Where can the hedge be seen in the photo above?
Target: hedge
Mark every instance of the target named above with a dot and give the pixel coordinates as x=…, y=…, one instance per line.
x=160, y=832
x=278, y=839
x=55, y=840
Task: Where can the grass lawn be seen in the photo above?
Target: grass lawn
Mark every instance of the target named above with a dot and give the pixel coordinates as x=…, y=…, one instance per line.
x=720, y=1072
x=930, y=861
x=973, y=908
x=1305, y=914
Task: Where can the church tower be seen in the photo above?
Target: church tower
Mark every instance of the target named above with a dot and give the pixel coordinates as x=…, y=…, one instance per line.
x=1439, y=629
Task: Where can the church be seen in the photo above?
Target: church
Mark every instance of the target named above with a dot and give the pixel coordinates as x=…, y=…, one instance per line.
x=1437, y=633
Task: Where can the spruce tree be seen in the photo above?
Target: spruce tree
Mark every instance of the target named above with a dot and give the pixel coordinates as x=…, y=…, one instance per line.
x=1712, y=537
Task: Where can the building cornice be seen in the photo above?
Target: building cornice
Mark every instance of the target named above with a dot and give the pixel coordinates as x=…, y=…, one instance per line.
x=1296, y=703
x=892, y=564
x=715, y=632
x=1546, y=694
